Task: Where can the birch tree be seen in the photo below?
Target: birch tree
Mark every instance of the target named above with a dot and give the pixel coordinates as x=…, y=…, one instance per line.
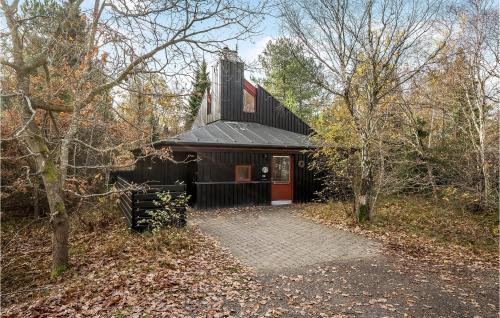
x=479, y=46
x=61, y=61
x=368, y=50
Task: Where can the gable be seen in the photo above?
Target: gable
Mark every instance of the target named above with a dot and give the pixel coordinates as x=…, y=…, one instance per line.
x=272, y=113
x=233, y=98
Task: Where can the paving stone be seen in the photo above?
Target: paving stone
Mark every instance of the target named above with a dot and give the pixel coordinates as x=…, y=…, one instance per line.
x=274, y=238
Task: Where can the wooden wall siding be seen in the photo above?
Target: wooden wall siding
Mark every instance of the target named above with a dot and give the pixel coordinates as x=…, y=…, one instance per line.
x=219, y=166
x=230, y=194
x=157, y=171
x=202, y=118
x=305, y=181
x=227, y=102
x=268, y=110
x=231, y=90
x=211, y=179
x=272, y=113
x=216, y=186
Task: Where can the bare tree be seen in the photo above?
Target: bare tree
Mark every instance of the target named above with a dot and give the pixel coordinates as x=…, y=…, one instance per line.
x=368, y=49
x=479, y=45
x=61, y=63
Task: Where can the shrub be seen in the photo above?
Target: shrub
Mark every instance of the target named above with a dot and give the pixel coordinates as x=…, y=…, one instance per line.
x=171, y=212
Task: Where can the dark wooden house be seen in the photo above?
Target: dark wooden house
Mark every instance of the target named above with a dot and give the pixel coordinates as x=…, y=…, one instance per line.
x=245, y=148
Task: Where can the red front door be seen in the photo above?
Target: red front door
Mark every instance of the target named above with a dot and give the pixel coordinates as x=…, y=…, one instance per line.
x=282, y=179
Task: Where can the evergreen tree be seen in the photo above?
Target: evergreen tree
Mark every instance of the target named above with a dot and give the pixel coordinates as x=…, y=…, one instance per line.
x=290, y=76
x=200, y=85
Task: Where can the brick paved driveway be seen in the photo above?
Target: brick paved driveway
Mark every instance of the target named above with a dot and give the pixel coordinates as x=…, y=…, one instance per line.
x=273, y=238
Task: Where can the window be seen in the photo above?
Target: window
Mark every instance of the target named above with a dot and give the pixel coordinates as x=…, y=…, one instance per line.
x=209, y=101
x=281, y=169
x=243, y=173
x=248, y=102
x=249, y=94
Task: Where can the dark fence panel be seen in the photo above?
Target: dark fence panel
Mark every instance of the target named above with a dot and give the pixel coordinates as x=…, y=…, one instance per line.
x=230, y=194
x=124, y=174
x=135, y=204
x=126, y=199
x=306, y=183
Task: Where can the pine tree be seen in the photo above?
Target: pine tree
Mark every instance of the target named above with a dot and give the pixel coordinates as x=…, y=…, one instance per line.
x=289, y=76
x=200, y=85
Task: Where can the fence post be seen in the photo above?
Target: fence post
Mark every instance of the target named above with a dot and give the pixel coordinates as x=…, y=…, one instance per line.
x=132, y=213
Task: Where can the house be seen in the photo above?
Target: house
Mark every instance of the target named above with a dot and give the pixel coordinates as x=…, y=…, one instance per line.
x=245, y=148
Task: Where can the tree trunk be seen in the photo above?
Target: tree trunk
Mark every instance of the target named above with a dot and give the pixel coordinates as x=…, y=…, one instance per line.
x=363, y=201
x=485, y=189
x=362, y=205
x=51, y=178
x=432, y=181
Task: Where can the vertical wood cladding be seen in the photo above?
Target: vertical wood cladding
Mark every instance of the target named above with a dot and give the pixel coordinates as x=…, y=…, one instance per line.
x=231, y=90
x=157, y=171
x=202, y=118
x=305, y=182
x=268, y=110
x=227, y=102
x=216, y=186
x=219, y=166
x=210, y=180
x=225, y=195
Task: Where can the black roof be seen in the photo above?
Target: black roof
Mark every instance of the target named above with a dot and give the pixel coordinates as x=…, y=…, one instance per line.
x=240, y=134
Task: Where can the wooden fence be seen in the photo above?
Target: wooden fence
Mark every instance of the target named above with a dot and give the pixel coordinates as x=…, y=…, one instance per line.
x=135, y=204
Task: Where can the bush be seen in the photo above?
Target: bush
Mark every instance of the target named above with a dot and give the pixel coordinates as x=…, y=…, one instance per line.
x=171, y=212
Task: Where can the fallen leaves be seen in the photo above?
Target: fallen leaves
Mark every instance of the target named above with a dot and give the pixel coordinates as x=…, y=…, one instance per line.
x=118, y=272
x=421, y=230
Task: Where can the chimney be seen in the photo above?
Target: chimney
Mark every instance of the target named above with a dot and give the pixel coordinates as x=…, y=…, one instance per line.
x=229, y=55
x=227, y=92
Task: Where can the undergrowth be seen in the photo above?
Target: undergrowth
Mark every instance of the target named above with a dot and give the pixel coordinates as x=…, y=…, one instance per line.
x=98, y=238
x=420, y=225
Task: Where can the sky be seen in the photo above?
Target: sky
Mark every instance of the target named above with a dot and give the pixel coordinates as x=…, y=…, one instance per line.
x=248, y=49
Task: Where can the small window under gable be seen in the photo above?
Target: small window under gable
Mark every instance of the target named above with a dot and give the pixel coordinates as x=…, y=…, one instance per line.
x=249, y=94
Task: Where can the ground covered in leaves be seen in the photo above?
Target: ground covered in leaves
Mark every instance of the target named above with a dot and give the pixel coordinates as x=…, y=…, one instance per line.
x=117, y=273
x=381, y=287
x=399, y=282
x=439, y=232
x=183, y=273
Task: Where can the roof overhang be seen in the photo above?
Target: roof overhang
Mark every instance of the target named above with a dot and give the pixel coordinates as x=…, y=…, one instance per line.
x=228, y=136
x=240, y=134
x=229, y=148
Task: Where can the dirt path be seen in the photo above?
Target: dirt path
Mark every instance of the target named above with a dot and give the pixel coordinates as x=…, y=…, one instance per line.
x=305, y=269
